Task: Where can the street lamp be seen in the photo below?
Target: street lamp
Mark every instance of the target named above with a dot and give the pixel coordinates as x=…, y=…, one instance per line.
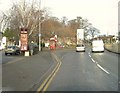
x=39, y=26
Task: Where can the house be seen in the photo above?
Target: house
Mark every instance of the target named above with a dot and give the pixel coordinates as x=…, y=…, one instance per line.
x=2, y=41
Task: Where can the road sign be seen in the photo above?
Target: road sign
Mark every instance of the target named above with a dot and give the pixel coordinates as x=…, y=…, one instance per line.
x=24, y=40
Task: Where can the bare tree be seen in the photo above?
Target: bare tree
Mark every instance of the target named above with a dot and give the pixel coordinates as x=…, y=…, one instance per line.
x=26, y=15
x=92, y=31
x=3, y=22
x=64, y=20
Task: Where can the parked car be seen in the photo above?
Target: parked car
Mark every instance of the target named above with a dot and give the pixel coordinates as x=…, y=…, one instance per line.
x=13, y=50
x=80, y=47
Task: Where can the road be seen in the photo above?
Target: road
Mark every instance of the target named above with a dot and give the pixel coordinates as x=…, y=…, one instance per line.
x=9, y=58
x=73, y=71
x=85, y=72
x=24, y=74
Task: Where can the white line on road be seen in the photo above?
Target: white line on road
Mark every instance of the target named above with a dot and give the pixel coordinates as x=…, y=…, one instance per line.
x=90, y=56
x=103, y=69
x=93, y=60
x=89, y=53
x=98, y=64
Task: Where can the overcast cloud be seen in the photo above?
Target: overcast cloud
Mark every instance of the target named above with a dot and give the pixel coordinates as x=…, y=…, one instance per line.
x=103, y=14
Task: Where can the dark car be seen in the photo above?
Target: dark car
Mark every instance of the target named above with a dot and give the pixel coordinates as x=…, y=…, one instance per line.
x=13, y=50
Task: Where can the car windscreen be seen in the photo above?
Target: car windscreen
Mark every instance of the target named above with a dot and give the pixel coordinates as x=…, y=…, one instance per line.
x=11, y=47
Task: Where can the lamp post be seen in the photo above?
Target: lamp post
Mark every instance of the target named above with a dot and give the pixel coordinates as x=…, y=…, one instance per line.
x=39, y=26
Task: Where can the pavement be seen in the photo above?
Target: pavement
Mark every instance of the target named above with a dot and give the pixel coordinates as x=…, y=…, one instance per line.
x=113, y=47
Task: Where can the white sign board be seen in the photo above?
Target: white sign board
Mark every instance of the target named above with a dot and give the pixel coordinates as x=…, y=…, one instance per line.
x=4, y=40
x=80, y=35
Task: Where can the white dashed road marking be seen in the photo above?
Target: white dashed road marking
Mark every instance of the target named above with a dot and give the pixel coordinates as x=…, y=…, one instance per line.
x=90, y=56
x=93, y=60
x=103, y=69
x=98, y=64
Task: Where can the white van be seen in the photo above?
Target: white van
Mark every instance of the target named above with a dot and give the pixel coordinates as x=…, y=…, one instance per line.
x=97, y=46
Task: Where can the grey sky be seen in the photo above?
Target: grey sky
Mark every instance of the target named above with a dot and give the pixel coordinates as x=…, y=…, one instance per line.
x=103, y=14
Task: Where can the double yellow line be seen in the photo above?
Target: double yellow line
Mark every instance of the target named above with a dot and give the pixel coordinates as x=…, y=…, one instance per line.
x=49, y=79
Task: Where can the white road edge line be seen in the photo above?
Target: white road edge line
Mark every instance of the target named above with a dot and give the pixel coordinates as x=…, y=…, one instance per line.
x=98, y=64
x=93, y=60
x=103, y=69
x=89, y=55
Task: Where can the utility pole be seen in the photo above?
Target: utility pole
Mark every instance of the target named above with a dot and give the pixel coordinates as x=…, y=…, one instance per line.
x=39, y=26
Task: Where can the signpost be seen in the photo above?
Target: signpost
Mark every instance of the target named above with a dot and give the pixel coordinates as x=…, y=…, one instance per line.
x=80, y=35
x=24, y=39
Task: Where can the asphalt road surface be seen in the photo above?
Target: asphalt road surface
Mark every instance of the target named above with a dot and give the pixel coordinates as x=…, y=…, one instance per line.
x=9, y=58
x=73, y=71
x=87, y=71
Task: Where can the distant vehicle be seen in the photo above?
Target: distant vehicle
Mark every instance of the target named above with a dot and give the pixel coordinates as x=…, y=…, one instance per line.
x=47, y=45
x=80, y=47
x=97, y=46
x=13, y=50
x=61, y=46
x=52, y=47
x=52, y=44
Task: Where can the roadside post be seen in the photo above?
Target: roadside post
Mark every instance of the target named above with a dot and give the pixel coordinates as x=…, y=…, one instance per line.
x=24, y=41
